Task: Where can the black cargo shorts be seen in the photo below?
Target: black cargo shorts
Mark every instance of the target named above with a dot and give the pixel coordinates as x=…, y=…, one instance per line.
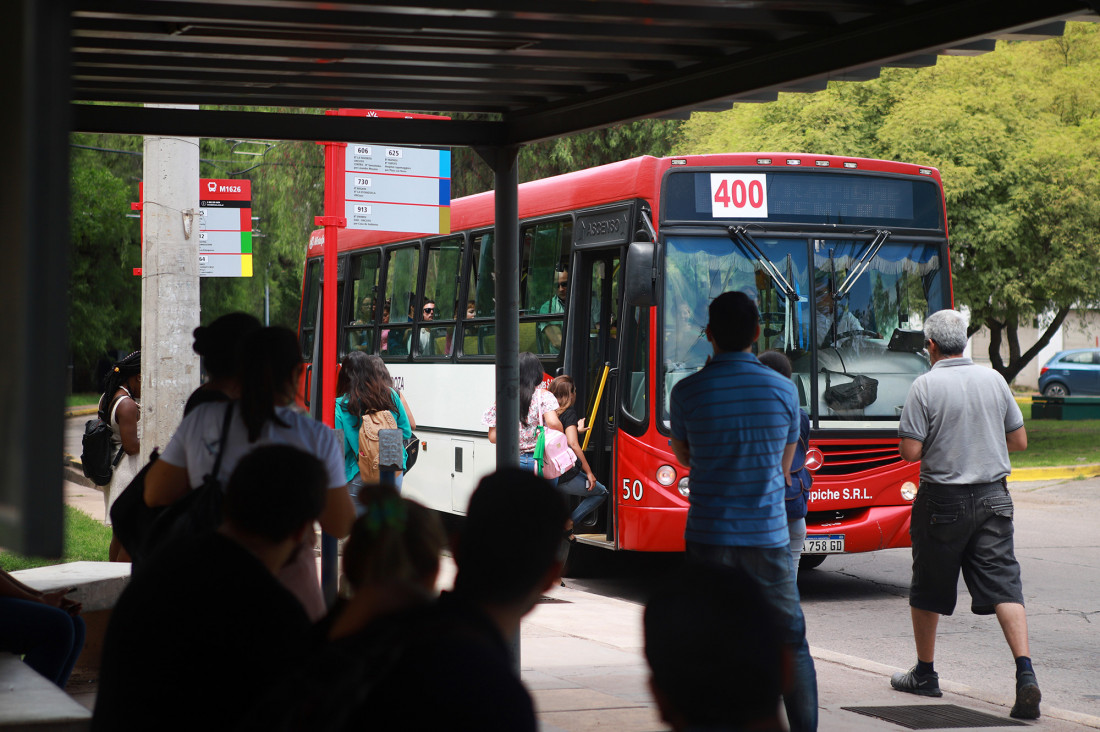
x=967, y=528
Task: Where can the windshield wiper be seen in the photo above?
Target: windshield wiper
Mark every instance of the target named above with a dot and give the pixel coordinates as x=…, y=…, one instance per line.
x=864, y=262
x=739, y=235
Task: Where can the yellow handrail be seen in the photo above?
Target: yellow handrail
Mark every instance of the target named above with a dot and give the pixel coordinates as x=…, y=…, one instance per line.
x=596, y=406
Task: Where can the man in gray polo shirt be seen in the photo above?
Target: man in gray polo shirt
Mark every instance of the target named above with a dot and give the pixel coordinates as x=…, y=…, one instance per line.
x=960, y=421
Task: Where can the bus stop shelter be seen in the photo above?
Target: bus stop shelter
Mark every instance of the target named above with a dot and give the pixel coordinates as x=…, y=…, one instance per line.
x=518, y=72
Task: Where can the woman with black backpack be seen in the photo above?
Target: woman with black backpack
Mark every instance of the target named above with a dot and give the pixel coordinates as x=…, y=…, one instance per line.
x=118, y=407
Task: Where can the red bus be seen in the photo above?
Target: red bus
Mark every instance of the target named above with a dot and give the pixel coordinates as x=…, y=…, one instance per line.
x=845, y=257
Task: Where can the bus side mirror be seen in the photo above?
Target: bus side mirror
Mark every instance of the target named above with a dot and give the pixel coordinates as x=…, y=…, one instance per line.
x=641, y=274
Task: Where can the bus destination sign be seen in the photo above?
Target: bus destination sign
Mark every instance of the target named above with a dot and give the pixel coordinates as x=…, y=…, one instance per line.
x=390, y=188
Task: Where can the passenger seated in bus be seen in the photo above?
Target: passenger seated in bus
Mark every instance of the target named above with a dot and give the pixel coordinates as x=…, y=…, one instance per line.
x=365, y=316
x=579, y=480
x=714, y=654
x=551, y=332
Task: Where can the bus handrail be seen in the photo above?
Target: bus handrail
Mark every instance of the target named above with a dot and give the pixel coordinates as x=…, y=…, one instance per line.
x=596, y=406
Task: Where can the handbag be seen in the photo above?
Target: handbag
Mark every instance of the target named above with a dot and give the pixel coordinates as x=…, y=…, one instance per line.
x=860, y=392
x=553, y=455
x=131, y=517
x=198, y=512
x=412, y=452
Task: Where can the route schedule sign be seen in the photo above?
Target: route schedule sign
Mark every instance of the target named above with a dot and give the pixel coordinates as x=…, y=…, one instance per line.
x=225, y=228
x=390, y=188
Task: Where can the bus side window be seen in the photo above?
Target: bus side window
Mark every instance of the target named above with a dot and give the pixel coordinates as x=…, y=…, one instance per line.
x=359, y=331
x=436, y=332
x=310, y=299
x=545, y=281
x=402, y=269
x=479, y=332
x=636, y=352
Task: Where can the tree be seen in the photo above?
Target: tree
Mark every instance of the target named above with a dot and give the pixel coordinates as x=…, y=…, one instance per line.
x=1015, y=136
x=105, y=296
x=470, y=174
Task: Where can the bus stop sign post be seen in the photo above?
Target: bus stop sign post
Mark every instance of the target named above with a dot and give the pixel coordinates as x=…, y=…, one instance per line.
x=325, y=409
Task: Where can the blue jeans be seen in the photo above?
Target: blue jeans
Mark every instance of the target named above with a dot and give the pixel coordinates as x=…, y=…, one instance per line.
x=48, y=637
x=527, y=462
x=578, y=486
x=772, y=569
x=356, y=483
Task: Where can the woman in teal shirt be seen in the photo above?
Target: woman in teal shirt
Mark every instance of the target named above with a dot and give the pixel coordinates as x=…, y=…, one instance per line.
x=364, y=385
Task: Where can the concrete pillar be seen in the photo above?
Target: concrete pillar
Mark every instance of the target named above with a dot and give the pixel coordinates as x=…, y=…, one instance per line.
x=169, y=284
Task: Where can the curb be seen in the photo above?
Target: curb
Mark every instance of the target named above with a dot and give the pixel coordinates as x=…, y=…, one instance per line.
x=74, y=473
x=84, y=410
x=1055, y=472
x=953, y=687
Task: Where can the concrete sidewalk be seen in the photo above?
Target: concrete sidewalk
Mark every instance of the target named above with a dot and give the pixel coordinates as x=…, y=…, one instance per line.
x=582, y=658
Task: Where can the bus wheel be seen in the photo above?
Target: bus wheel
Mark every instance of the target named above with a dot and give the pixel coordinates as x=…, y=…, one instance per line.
x=810, y=561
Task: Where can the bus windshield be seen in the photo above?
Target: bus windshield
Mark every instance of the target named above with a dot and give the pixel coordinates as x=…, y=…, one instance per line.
x=849, y=310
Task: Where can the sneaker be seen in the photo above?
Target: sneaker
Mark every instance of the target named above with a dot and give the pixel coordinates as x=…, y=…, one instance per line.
x=1028, y=697
x=912, y=682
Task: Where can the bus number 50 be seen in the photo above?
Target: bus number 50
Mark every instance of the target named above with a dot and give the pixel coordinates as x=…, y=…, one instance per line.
x=738, y=195
x=632, y=490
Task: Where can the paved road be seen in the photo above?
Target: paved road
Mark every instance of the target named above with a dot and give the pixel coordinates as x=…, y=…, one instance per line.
x=857, y=604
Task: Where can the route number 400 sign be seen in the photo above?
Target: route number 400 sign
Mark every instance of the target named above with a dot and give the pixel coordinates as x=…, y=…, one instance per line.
x=734, y=196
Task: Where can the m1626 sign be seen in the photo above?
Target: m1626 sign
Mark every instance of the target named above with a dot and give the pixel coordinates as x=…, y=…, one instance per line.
x=225, y=228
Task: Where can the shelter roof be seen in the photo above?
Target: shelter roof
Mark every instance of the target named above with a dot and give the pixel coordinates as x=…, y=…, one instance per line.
x=513, y=72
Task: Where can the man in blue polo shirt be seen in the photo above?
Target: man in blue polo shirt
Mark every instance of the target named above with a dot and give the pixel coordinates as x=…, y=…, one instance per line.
x=735, y=423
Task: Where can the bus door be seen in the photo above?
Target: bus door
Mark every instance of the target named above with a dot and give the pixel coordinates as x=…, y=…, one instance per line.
x=595, y=344
x=311, y=330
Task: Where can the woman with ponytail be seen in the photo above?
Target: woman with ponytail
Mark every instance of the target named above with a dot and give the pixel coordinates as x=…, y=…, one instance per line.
x=264, y=415
x=118, y=407
x=536, y=406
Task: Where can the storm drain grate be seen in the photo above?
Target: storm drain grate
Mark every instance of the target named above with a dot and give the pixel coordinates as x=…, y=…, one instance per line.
x=545, y=600
x=935, y=716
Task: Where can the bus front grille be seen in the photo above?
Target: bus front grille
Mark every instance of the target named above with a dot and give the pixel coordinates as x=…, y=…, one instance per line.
x=856, y=458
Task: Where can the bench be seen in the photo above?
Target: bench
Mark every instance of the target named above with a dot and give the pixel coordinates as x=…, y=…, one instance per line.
x=29, y=701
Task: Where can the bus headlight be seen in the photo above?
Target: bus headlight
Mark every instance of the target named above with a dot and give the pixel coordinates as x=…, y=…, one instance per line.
x=683, y=486
x=908, y=490
x=666, y=475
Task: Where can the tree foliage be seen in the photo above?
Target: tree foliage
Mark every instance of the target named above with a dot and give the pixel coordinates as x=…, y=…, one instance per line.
x=470, y=174
x=1015, y=135
x=105, y=296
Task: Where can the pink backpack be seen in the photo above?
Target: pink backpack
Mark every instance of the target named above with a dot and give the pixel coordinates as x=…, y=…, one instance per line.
x=553, y=456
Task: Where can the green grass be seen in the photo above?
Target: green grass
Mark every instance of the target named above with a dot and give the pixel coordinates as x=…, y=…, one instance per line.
x=80, y=400
x=86, y=540
x=1057, y=442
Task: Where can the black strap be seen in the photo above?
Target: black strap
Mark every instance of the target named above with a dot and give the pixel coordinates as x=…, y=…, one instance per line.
x=107, y=419
x=221, y=444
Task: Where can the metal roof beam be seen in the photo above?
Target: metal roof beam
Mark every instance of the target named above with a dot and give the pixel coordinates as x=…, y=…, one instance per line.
x=283, y=126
